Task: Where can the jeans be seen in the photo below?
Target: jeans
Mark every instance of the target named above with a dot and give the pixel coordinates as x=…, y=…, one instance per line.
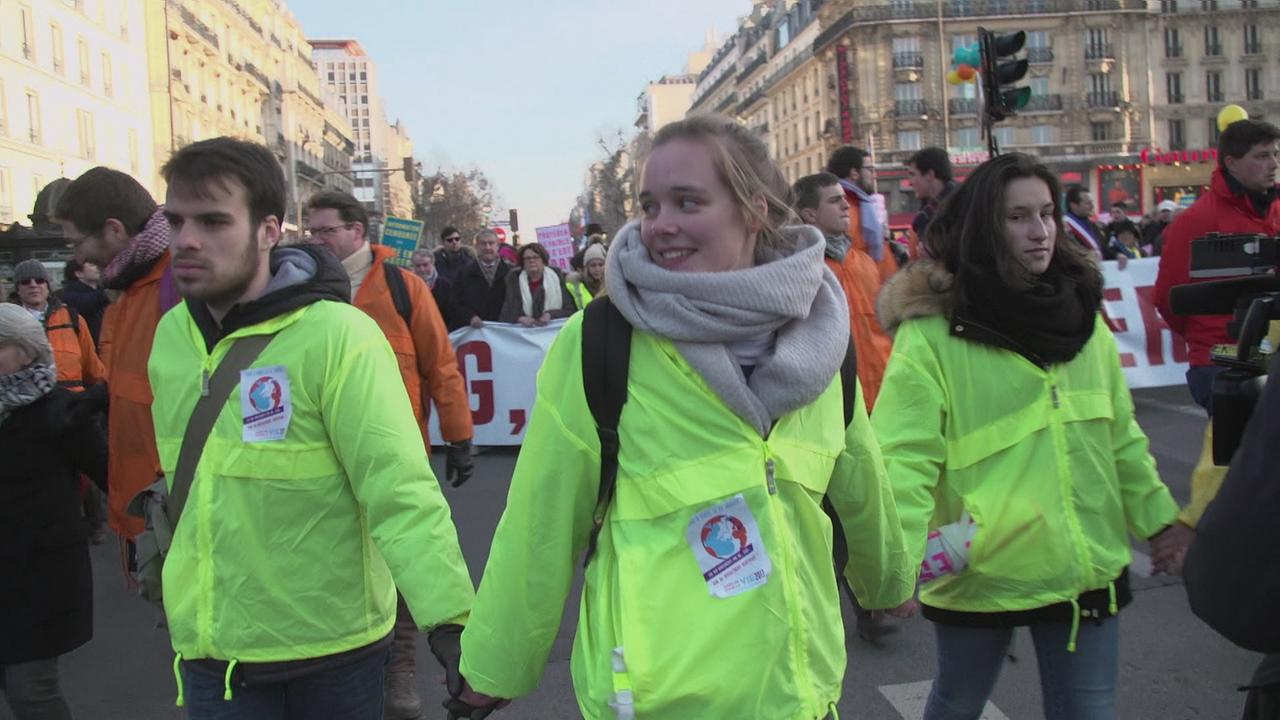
x=1076, y=686
x=1200, y=383
x=32, y=690
x=349, y=692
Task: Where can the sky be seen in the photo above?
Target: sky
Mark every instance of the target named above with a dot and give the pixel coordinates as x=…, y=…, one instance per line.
x=521, y=89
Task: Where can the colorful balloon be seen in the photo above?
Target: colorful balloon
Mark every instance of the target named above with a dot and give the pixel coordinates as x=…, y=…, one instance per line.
x=966, y=72
x=1230, y=114
x=954, y=78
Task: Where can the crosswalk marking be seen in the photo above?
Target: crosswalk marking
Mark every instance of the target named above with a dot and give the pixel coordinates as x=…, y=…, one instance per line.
x=909, y=700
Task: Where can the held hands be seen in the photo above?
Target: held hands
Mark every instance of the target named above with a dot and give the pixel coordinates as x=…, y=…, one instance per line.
x=446, y=644
x=1169, y=548
x=476, y=322
x=906, y=609
x=526, y=321
x=542, y=321
x=458, y=464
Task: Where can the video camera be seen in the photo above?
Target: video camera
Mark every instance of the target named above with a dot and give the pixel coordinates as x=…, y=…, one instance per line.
x=1250, y=292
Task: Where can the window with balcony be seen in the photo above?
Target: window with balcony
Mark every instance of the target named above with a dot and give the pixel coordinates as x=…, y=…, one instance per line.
x=1177, y=134
x=1039, y=49
x=82, y=54
x=1172, y=43
x=1253, y=84
x=1213, y=86
x=909, y=102
x=902, y=8
x=1173, y=88
x=1042, y=135
x=1100, y=131
x=55, y=49
x=1168, y=6
x=35, y=131
x=1004, y=137
x=26, y=19
x=906, y=53
x=1249, y=4
x=1252, y=44
x=1097, y=44
x=965, y=138
x=108, y=79
x=1039, y=87
x=1212, y=43
x=6, y=196
x=84, y=133
x=1100, y=94
x=1208, y=5
x=1213, y=133
x=909, y=140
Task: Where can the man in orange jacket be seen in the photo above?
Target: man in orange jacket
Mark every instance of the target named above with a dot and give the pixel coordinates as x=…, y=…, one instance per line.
x=73, y=352
x=821, y=203
x=428, y=368
x=852, y=166
x=112, y=221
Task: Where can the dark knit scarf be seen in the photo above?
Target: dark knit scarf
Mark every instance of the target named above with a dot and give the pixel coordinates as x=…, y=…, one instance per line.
x=1050, y=322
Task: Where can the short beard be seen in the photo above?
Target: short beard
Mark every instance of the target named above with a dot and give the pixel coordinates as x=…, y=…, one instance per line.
x=227, y=293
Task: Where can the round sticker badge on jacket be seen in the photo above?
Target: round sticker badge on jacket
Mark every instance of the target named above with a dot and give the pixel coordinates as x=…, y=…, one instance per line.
x=726, y=541
x=265, y=403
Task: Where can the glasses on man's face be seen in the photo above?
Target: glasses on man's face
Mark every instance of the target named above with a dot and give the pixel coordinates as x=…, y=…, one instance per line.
x=33, y=281
x=454, y=239
x=422, y=266
x=321, y=233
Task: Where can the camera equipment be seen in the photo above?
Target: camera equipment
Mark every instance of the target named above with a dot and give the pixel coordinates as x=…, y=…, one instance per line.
x=1251, y=294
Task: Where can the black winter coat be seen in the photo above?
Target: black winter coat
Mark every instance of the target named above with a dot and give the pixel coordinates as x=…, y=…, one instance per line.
x=90, y=302
x=46, y=598
x=472, y=296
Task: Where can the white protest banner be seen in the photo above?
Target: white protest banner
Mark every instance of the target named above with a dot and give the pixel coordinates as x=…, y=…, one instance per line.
x=1151, y=354
x=499, y=364
x=558, y=241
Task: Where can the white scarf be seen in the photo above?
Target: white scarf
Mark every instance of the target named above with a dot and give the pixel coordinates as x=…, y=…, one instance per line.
x=552, y=300
x=790, y=296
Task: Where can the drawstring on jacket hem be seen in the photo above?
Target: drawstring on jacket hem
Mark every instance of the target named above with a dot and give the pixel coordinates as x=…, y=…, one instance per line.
x=1075, y=625
x=1112, y=608
x=226, y=680
x=177, y=676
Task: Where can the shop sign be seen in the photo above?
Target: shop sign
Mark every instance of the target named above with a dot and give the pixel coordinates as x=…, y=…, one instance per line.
x=1151, y=156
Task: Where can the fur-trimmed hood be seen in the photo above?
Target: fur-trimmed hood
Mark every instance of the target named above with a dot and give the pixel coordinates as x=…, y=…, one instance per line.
x=921, y=289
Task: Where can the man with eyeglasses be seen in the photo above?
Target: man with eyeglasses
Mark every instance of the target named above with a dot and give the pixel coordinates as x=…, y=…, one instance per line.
x=452, y=258
x=428, y=368
x=77, y=362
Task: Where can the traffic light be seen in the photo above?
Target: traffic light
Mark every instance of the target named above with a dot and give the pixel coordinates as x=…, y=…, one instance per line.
x=410, y=171
x=1000, y=70
x=515, y=220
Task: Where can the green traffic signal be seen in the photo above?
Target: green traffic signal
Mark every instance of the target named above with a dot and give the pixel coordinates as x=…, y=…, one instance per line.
x=1015, y=99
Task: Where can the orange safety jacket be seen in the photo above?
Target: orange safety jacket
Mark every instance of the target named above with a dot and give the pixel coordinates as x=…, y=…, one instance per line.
x=861, y=282
x=73, y=354
x=427, y=362
x=128, y=329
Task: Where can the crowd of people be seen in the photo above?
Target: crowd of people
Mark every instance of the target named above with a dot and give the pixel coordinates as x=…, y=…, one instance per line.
x=805, y=408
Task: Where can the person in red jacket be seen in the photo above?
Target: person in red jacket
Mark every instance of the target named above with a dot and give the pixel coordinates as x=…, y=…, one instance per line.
x=428, y=368
x=1241, y=199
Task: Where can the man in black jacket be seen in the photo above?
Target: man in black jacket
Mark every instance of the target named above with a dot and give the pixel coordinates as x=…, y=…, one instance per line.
x=452, y=259
x=81, y=290
x=481, y=287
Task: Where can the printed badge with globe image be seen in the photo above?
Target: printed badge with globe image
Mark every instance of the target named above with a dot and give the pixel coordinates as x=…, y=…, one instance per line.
x=265, y=394
x=724, y=536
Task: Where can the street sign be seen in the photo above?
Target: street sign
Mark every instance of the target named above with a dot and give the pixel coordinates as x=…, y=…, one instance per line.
x=403, y=235
x=501, y=232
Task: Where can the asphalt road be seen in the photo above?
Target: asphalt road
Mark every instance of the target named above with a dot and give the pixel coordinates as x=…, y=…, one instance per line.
x=1172, y=666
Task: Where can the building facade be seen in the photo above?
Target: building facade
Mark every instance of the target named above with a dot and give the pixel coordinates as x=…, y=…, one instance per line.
x=240, y=68
x=1125, y=93
x=72, y=81
x=352, y=76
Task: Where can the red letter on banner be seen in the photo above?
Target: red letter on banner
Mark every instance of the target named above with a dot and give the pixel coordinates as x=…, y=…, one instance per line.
x=481, y=389
x=1155, y=327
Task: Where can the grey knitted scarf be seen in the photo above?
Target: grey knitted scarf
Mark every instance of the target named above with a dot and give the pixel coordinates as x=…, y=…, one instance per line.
x=25, y=387
x=790, y=293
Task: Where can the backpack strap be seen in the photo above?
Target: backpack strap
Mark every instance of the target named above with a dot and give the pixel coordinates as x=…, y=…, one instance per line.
x=606, y=359
x=242, y=354
x=399, y=293
x=73, y=320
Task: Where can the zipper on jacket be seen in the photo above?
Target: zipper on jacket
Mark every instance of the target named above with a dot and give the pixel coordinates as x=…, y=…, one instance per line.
x=768, y=476
x=204, y=382
x=1053, y=391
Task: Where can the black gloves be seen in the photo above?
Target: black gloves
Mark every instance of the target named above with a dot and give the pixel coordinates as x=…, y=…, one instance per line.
x=458, y=464
x=445, y=642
